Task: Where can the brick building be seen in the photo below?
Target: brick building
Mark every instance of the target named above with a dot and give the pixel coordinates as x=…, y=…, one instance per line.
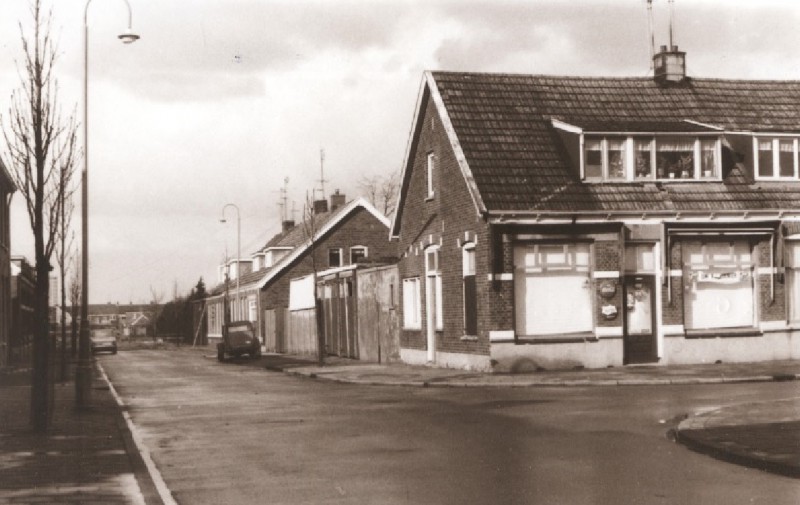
x=23, y=299
x=7, y=188
x=344, y=233
x=551, y=222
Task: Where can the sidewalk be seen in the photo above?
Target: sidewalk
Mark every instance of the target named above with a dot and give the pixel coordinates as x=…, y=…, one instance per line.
x=356, y=372
x=762, y=435
x=87, y=457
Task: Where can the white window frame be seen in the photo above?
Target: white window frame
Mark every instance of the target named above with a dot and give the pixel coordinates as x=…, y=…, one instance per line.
x=434, y=274
x=431, y=166
x=776, y=168
x=355, y=247
x=792, y=268
x=252, y=310
x=412, y=307
x=630, y=156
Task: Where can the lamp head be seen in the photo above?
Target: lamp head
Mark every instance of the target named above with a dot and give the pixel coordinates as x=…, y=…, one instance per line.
x=128, y=37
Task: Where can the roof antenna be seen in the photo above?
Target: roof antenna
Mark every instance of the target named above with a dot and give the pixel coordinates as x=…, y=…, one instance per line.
x=282, y=203
x=650, y=30
x=322, y=180
x=671, y=16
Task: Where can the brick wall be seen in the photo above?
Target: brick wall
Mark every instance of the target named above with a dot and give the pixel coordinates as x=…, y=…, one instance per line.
x=359, y=228
x=608, y=258
x=449, y=219
x=771, y=289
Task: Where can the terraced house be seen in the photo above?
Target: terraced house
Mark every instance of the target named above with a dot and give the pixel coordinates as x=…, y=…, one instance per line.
x=550, y=222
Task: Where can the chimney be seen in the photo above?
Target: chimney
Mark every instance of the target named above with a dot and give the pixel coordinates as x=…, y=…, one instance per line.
x=337, y=200
x=320, y=206
x=669, y=65
x=287, y=225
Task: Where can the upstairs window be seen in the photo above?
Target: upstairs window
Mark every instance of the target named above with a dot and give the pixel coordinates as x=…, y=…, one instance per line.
x=334, y=257
x=430, y=169
x=659, y=157
x=775, y=157
x=357, y=253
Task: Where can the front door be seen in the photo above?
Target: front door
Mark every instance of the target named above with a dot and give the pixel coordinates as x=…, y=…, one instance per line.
x=640, y=326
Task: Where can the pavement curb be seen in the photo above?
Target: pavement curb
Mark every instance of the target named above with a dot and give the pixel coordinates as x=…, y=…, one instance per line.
x=687, y=438
x=445, y=383
x=151, y=483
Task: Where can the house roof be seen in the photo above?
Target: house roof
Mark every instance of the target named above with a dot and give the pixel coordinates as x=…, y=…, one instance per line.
x=6, y=176
x=106, y=309
x=297, y=239
x=501, y=129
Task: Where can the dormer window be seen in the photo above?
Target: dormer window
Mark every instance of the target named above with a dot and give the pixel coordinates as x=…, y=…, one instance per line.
x=775, y=157
x=650, y=157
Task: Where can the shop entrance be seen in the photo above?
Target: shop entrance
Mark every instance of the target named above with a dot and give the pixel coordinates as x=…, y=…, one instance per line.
x=640, y=327
x=639, y=287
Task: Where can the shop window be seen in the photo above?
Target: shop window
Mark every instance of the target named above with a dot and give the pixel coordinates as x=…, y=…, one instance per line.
x=793, y=280
x=412, y=308
x=552, y=289
x=718, y=285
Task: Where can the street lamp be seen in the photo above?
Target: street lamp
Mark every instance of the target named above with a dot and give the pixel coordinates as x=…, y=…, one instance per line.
x=238, y=245
x=83, y=372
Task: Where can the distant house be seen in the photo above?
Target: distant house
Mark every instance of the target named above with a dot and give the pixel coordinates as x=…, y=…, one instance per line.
x=132, y=320
x=344, y=234
x=551, y=222
x=7, y=189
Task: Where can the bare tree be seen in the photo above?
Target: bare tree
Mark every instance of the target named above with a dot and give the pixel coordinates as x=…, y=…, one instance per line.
x=157, y=299
x=75, y=307
x=381, y=191
x=63, y=252
x=40, y=147
x=310, y=226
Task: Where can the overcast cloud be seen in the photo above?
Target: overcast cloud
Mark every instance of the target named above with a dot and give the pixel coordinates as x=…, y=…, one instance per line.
x=222, y=99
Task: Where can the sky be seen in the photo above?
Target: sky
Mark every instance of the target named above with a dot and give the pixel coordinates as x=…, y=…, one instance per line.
x=220, y=101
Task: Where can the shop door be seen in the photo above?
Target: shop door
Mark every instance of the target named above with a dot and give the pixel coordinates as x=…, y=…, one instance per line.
x=640, y=326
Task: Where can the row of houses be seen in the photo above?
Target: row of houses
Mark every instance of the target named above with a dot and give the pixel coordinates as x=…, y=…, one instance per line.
x=552, y=222
x=275, y=288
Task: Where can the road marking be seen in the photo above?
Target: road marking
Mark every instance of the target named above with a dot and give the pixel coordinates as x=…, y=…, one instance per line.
x=158, y=480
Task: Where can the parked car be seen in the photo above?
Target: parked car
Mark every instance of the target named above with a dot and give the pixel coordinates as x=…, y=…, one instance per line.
x=238, y=338
x=104, y=339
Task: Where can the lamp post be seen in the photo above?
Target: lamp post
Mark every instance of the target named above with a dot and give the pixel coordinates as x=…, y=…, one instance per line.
x=238, y=245
x=83, y=372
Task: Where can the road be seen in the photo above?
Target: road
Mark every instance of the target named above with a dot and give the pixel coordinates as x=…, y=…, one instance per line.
x=235, y=433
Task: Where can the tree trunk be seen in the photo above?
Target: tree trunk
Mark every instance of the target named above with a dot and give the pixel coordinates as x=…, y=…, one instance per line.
x=40, y=383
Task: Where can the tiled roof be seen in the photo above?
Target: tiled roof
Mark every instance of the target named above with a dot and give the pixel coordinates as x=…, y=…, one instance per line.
x=293, y=238
x=503, y=124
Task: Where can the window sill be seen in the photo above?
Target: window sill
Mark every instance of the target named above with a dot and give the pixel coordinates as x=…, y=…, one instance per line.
x=469, y=338
x=724, y=333
x=572, y=338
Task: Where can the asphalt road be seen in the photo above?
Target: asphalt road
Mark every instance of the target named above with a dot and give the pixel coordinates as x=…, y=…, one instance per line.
x=234, y=433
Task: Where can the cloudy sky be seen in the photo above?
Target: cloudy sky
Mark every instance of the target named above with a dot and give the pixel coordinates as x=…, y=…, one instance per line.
x=221, y=100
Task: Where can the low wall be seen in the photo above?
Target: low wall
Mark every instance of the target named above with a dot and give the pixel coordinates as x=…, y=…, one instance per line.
x=520, y=358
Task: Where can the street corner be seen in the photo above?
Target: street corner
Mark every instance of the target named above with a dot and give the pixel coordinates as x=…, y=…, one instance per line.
x=763, y=435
